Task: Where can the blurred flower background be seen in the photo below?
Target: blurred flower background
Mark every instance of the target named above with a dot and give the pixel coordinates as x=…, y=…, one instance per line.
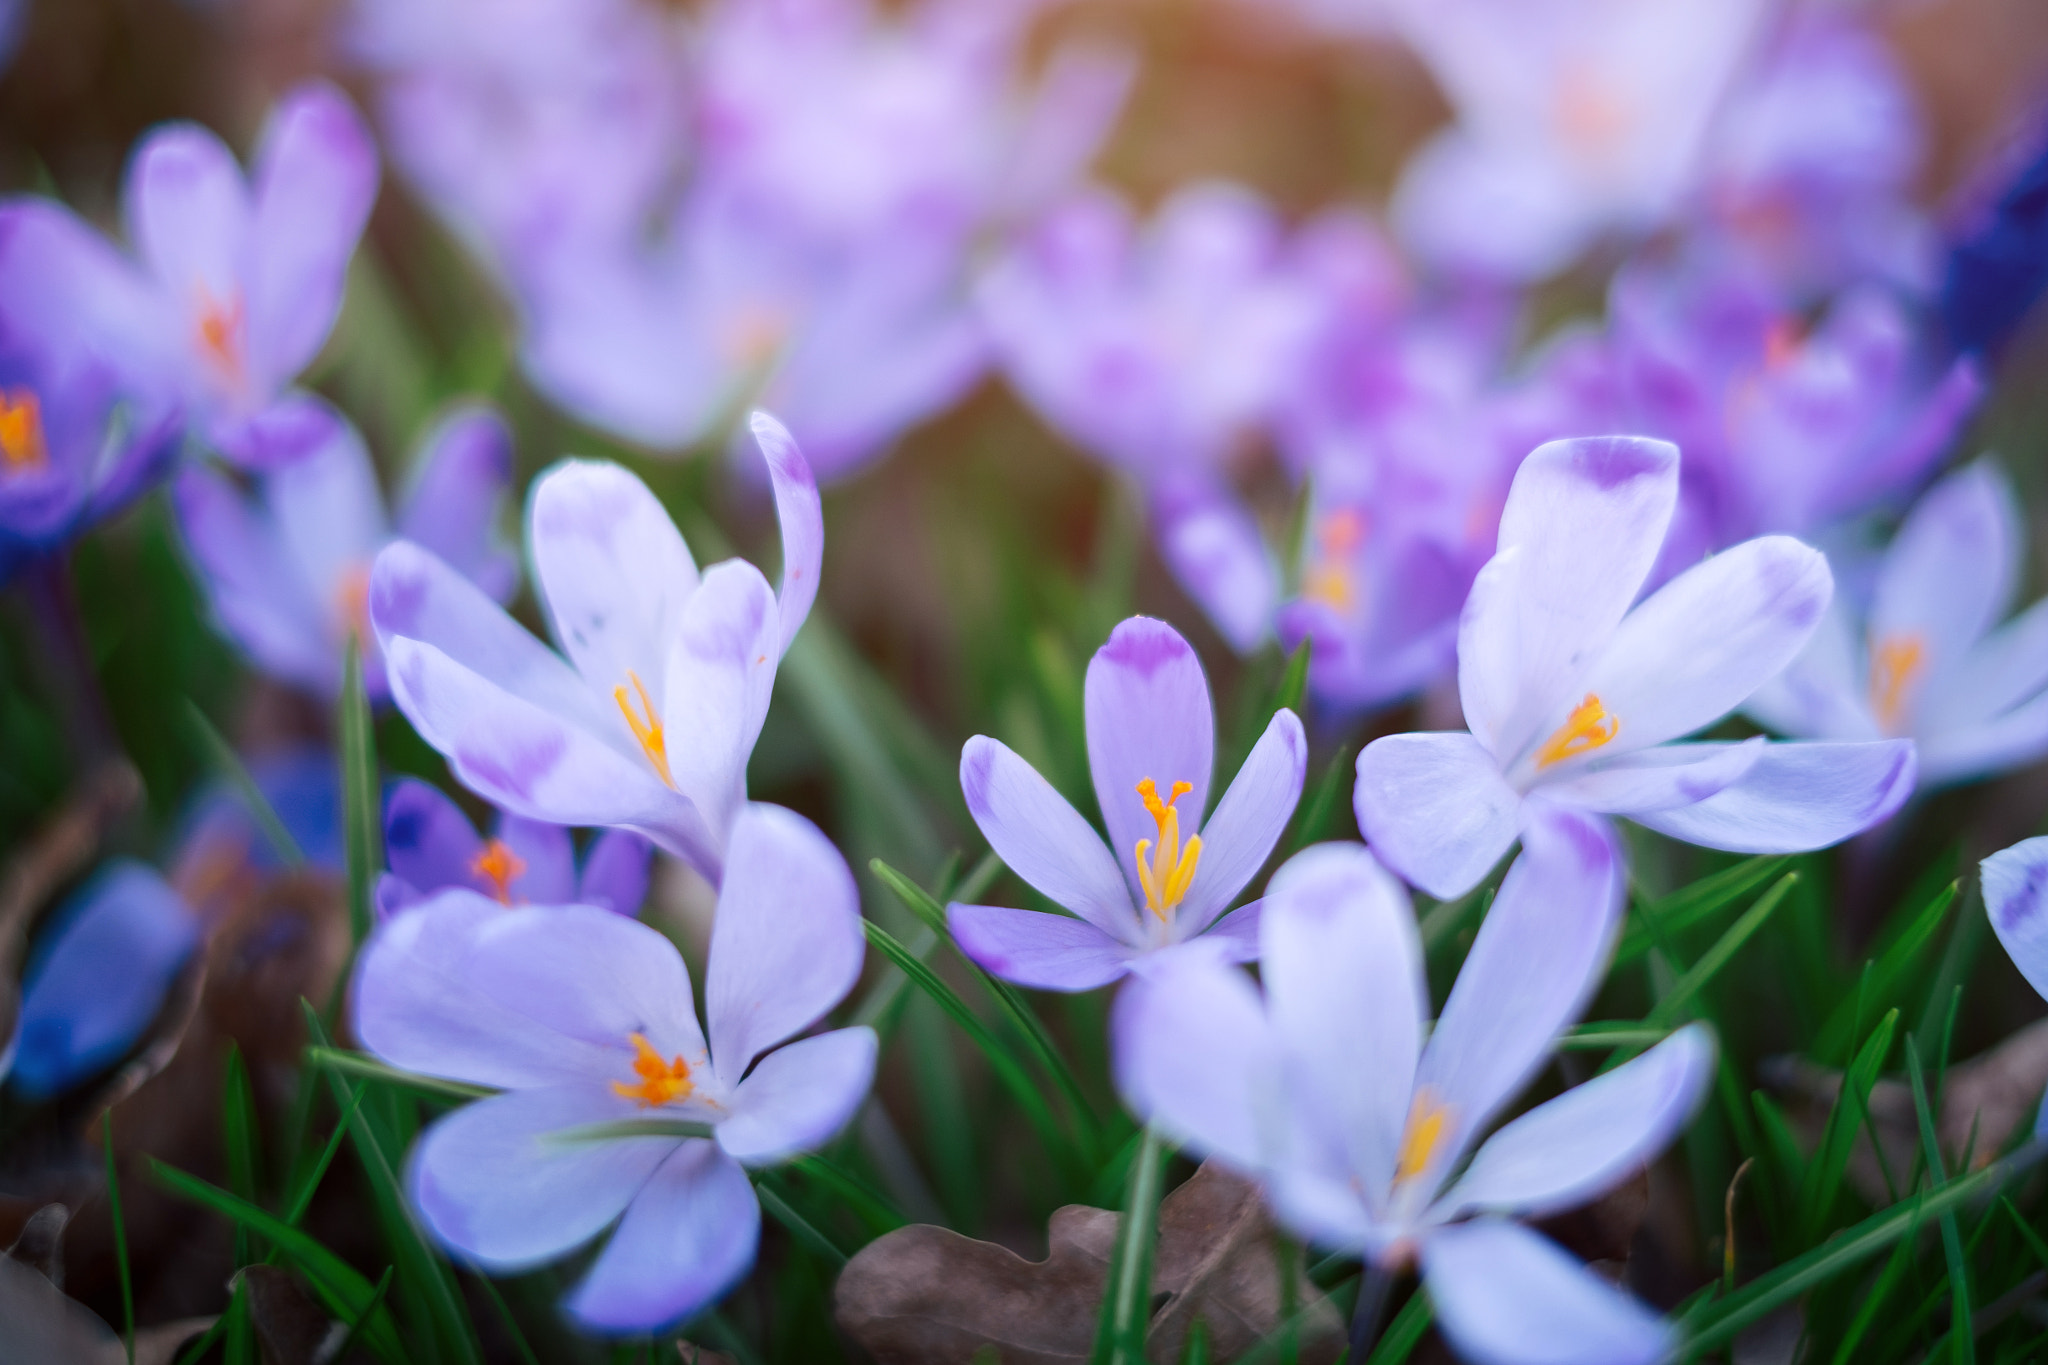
x=1243, y=315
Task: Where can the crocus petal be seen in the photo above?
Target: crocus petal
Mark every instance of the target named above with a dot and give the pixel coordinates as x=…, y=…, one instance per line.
x=1236, y=935
x=613, y=571
x=1148, y=716
x=275, y=434
x=1342, y=966
x=314, y=180
x=1531, y=970
x=549, y=858
x=2018, y=737
x=787, y=943
x=1213, y=546
x=1825, y=692
x=427, y=839
x=1435, y=808
x=616, y=872
x=99, y=975
x=799, y=1096
x=64, y=284
x=255, y=592
x=1579, y=1145
x=497, y=1186
x=1043, y=839
x=452, y=501
x=1195, y=1056
x=2007, y=668
x=1798, y=797
x=330, y=515
x=1247, y=823
x=1950, y=571
x=1506, y=1296
x=2015, y=880
x=720, y=673
x=1043, y=951
x=1657, y=779
x=393, y=895
x=687, y=1237
x=188, y=215
x=1582, y=526
x=1697, y=648
x=802, y=521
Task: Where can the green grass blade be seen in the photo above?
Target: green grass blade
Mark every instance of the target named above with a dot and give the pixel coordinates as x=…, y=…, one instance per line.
x=238, y=1135
x=361, y=808
x=1609, y=1034
x=367, y=1068
x=806, y=1232
x=1690, y=905
x=1127, y=1306
x=221, y=756
x=1312, y=817
x=866, y=1202
x=1404, y=1333
x=302, y=1199
x=1962, y=1339
x=1878, y=1298
x=1669, y=1010
x=120, y=1237
x=376, y=1301
x=1824, y=1174
x=1884, y=976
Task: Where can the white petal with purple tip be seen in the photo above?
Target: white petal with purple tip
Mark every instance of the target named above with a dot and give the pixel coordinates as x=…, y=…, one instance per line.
x=799, y=1096
x=1043, y=839
x=1045, y=952
x=687, y=1237
x=1507, y=1296
x=1435, y=808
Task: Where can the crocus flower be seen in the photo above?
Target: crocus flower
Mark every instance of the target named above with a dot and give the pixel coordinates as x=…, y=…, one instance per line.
x=1333, y=1091
x=1151, y=742
x=1928, y=659
x=288, y=572
x=301, y=785
x=648, y=722
x=238, y=281
x=98, y=975
x=584, y=1019
x=1572, y=696
x=2015, y=882
x=432, y=846
x=1998, y=271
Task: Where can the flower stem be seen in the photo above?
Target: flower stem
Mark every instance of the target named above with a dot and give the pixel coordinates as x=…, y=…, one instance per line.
x=1371, y=1312
x=65, y=659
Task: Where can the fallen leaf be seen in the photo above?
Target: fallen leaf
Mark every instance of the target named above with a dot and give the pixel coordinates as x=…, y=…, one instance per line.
x=925, y=1295
x=290, y=1327
x=40, y=1323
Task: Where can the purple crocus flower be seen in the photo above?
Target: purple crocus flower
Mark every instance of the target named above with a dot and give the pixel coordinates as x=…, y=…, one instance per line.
x=1928, y=659
x=431, y=846
x=584, y=1019
x=1573, y=695
x=1333, y=1091
x=648, y=722
x=98, y=975
x=2015, y=882
x=288, y=571
x=238, y=280
x=1151, y=743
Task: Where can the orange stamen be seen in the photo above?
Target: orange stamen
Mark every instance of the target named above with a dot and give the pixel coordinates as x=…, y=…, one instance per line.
x=653, y=742
x=1427, y=1120
x=660, y=1082
x=352, y=602
x=1167, y=874
x=1586, y=729
x=1592, y=115
x=220, y=334
x=21, y=431
x=499, y=866
x=1896, y=663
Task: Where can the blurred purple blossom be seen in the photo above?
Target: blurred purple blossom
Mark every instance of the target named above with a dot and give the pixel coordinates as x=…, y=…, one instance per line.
x=1332, y=1089
x=585, y=1019
x=287, y=572
x=1151, y=744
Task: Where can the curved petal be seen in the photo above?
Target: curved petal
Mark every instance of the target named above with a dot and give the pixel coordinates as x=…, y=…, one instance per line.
x=787, y=943
x=545, y=873
x=1581, y=528
x=1043, y=839
x=251, y=583
x=315, y=177
x=1798, y=796
x=1435, y=808
x=1043, y=951
x=1706, y=640
x=1247, y=823
x=802, y=520
x=687, y=1237
x=1236, y=934
x=64, y=284
x=454, y=497
x=1506, y=1296
x=721, y=671
x=2016, y=899
x=1825, y=692
x=613, y=571
x=1213, y=546
x=330, y=517
x=1579, y=1145
x=1535, y=963
x=2018, y=737
x=1148, y=716
x=188, y=215
x=1950, y=572
x=1660, y=778
x=427, y=839
x=799, y=1096
x=1195, y=1056
x=1343, y=971
x=498, y=1188
x=616, y=872
x=2006, y=669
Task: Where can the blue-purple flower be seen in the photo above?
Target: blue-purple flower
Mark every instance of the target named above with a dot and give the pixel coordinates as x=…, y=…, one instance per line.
x=617, y=1107
x=432, y=846
x=287, y=571
x=1931, y=657
x=1156, y=884
x=2015, y=882
x=1361, y=1120
x=1574, y=691
x=648, y=721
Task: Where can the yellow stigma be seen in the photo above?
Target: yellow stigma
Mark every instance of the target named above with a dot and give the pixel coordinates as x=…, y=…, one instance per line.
x=1425, y=1132
x=499, y=866
x=21, y=431
x=220, y=334
x=1896, y=663
x=648, y=731
x=1586, y=729
x=1166, y=874
x=1329, y=579
x=660, y=1082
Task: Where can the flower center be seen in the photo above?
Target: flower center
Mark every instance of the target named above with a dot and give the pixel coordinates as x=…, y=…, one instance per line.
x=1427, y=1119
x=1166, y=873
x=499, y=866
x=220, y=334
x=660, y=1082
x=1329, y=578
x=648, y=731
x=1896, y=663
x=21, y=431
x=1592, y=115
x=1586, y=729
x=352, y=603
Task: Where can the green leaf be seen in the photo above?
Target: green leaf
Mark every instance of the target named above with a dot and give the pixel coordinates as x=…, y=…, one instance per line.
x=801, y=1228
x=1404, y=1333
x=238, y=1135
x=368, y=1068
x=222, y=757
x=1670, y=1009
x=361, y=809
x=120, y=1237
x=1824, y=1173
x=631, y=1128
x=1127, y=1306
x=1609, y=1034
x=1884, y=976
x=1962, y=1339
x=1690, y=905
x=867, y=1203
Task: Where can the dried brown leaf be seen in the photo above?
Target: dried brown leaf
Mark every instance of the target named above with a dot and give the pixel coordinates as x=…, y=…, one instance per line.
x=291, y=1329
